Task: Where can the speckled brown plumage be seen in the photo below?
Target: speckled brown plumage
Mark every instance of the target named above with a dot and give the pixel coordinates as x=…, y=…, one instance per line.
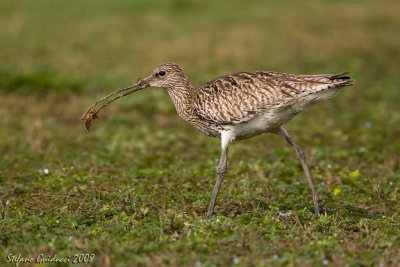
x=238, y=97
x=239, y=106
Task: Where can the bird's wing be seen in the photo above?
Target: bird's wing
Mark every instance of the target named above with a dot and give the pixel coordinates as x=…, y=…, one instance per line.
x=238, y=97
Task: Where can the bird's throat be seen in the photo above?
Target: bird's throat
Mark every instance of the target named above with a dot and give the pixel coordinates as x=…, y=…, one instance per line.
x=183, y=97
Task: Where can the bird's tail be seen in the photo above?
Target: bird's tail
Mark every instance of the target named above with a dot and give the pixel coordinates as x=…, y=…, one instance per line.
x=321, y=87
x=341, y=79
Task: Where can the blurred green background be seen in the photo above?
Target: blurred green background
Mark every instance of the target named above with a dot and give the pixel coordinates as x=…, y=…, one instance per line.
x=135, y=190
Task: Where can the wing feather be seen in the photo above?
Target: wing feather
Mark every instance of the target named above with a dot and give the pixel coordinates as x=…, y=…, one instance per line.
x=238, y=97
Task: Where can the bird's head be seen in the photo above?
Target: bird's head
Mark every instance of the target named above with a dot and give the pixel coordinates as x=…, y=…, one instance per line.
x=165, y=76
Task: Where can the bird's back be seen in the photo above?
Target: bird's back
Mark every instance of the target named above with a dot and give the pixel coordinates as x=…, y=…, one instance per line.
x=239, y=97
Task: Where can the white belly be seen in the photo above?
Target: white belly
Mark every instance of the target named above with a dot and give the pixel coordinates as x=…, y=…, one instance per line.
x=267, y=122
x=271, y=120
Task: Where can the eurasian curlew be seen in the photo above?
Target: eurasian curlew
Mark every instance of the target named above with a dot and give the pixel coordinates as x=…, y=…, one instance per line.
x=239, y=106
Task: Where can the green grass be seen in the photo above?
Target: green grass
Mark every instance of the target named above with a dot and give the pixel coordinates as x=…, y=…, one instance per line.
x=135, y=190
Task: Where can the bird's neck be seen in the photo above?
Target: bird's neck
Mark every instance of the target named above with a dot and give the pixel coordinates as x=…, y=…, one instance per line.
x=182, y=94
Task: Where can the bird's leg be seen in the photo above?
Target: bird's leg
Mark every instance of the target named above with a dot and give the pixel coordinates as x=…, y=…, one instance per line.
x=222, y=167
x=302, y=157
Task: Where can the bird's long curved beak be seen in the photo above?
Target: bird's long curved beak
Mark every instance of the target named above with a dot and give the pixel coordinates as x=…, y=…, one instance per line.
x=91, y=113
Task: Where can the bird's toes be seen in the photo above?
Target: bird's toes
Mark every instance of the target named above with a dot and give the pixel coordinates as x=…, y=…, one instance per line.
x=319, y=211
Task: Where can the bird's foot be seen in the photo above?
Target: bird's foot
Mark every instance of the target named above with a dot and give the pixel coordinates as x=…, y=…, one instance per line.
x=209, y=214
x=318, y=210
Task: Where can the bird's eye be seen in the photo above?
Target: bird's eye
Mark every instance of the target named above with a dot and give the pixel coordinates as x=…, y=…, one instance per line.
x=161, y=73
